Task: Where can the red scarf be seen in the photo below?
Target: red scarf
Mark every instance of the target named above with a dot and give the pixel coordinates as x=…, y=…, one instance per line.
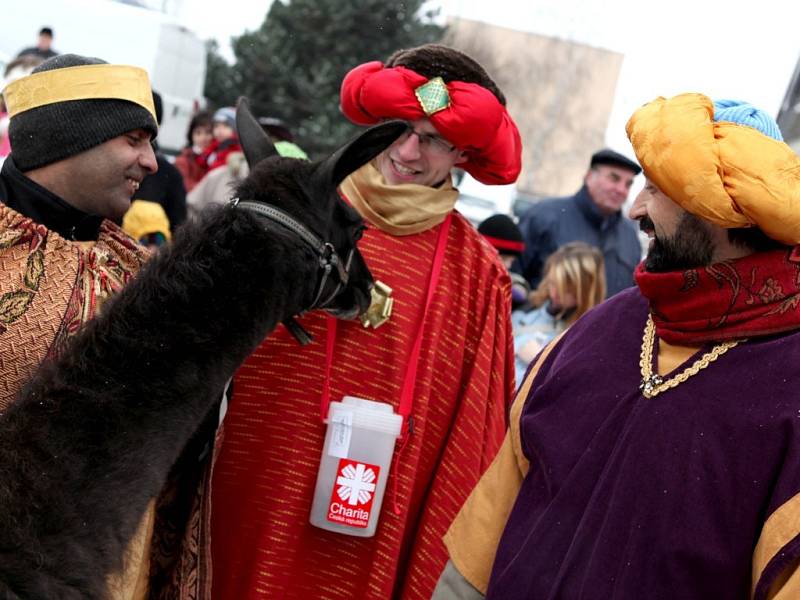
x=748, y=297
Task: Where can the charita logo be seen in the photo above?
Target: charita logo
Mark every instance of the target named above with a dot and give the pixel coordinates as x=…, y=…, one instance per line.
x=356, y=484
x=353, y=493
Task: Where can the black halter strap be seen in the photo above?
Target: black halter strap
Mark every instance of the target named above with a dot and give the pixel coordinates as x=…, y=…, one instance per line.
x=329, y=261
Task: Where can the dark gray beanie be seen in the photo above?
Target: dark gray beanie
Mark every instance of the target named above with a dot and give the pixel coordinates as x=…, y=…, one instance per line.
x=53, y=132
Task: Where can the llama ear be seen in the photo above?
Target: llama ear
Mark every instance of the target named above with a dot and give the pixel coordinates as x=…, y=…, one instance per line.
x=362, y=149
x=256, y=144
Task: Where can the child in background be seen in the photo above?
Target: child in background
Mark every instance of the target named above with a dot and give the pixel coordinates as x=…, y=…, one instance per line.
x=226, y=140
x=147, y=223
x=217, y=187
x=502, y=233
x=574, y=281
x=198, y=138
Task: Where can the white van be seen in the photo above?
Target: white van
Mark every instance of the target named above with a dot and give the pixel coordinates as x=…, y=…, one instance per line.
x=174, y=57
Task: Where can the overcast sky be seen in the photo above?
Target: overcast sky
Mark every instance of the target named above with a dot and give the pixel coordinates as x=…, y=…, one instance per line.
x=222, y=19
x=733, y=49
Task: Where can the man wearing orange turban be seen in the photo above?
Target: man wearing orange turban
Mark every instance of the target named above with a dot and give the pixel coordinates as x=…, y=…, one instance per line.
x=654, y=448
x=443, y=360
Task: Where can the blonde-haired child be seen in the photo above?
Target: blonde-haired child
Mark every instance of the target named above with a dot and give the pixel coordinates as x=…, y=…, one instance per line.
x=574, y=281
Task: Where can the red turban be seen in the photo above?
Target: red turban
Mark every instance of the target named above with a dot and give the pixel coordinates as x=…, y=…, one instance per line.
x=473, y=120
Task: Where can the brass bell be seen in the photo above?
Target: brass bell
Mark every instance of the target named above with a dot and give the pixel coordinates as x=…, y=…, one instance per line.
x=380, y=308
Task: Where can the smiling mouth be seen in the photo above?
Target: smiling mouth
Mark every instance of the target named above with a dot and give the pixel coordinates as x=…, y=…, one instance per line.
x=403, y=170
x=133, y=183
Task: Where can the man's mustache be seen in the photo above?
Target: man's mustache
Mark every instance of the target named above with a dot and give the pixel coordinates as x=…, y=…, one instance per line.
x=645, y=225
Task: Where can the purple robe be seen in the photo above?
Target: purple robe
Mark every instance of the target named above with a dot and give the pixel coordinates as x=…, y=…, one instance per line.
x=631, y=498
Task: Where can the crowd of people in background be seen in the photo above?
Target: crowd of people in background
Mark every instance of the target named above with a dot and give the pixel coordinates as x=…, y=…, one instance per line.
x=568, y=254
x=211, y=163
x=560, y=489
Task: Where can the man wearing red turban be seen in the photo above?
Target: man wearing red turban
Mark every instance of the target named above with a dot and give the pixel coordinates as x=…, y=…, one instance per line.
x=437, y=347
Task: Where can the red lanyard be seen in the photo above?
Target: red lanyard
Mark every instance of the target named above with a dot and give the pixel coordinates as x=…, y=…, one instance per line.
x=409, y=381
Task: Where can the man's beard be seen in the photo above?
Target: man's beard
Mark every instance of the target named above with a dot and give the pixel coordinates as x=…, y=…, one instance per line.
x=689, y=247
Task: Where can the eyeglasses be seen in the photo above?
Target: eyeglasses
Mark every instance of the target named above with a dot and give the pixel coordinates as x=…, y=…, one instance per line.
x=427, y=141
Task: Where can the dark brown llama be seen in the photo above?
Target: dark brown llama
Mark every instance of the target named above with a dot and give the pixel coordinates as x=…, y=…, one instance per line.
x=91, y=439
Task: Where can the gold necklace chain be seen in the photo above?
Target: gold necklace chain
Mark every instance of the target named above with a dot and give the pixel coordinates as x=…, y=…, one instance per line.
x=652, y=383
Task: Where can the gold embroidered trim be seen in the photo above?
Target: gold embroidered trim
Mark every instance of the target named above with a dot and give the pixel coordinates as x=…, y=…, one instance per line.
x=652, y=383
x=83, y=82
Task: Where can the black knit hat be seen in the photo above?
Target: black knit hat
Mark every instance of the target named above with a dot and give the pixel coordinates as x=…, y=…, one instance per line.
x=606, y=156
x=53, y=132
x=502, y=233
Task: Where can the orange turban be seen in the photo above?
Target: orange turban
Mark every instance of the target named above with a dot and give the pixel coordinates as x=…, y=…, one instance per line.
x=726, y=173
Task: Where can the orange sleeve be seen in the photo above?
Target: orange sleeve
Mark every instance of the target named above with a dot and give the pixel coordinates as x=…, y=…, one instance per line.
x=474, y=535
x=781, y=528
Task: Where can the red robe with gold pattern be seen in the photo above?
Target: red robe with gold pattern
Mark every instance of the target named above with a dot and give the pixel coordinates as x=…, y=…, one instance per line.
x=264, y=476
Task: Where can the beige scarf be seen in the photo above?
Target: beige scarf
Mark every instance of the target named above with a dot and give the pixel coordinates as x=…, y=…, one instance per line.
x=398, y=209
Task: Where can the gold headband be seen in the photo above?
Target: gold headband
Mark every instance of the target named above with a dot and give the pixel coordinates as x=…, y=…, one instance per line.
x=84, y=82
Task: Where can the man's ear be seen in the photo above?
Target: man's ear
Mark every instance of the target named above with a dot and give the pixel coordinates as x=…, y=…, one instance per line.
x=461, y=158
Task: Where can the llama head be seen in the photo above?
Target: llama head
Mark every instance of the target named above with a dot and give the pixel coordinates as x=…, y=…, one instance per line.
x=307, y=191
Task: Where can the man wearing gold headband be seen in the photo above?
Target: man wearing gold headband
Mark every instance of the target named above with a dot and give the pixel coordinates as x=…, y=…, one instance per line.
x=81, y=132
x=438, y=348
x=654, y=448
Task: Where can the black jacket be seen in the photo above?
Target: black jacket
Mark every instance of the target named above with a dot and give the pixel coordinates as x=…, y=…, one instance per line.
x=35, y=202
x=165, y=188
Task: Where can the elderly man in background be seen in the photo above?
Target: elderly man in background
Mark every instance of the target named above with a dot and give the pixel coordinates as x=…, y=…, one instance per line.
x=593, y=215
